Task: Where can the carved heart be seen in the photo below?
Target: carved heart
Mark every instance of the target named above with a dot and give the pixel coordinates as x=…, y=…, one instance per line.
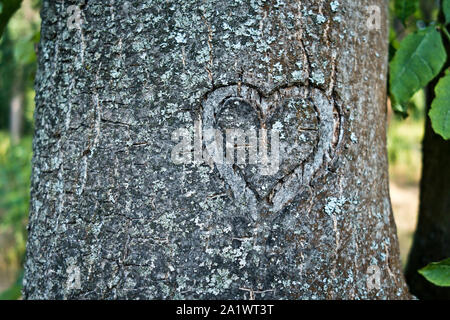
x=306, y=126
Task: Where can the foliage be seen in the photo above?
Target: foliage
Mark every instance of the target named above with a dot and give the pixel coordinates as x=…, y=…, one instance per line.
x=18, y=61
x=437, y=273
x=15, y=168
x=440, y=111
x=418, y=59
x=446, y=9
x=404, y=143
x=15, y=291
x=7, y=9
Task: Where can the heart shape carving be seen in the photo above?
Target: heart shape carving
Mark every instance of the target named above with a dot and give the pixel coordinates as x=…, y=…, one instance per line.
x=306, y=123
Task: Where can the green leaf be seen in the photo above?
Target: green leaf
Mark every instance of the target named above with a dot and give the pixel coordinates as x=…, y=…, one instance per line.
x=437, y=273
x=405, y=8
x=440, y=108
x=446, y=9
x=417, y=61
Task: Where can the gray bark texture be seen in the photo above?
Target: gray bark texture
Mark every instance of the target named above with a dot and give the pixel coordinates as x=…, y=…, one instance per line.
x=112, y=216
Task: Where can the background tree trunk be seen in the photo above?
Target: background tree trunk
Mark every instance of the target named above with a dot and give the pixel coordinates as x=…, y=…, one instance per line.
x=113, y=217
x=432, y=238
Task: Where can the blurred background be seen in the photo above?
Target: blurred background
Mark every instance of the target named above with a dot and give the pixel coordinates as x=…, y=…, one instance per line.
x=17, y=70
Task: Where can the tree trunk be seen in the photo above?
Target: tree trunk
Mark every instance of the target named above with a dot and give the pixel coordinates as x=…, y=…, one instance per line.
x=122, y=209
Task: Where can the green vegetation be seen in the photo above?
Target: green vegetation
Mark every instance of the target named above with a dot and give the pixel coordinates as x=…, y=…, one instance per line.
x=440, y=109
x=420, y=58
x=404, y=143
x=15, y=169
x=19, y=31
x=438, y=273
x=7, y=9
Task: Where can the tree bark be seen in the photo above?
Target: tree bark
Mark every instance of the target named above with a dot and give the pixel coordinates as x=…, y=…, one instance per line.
x=112, y=215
